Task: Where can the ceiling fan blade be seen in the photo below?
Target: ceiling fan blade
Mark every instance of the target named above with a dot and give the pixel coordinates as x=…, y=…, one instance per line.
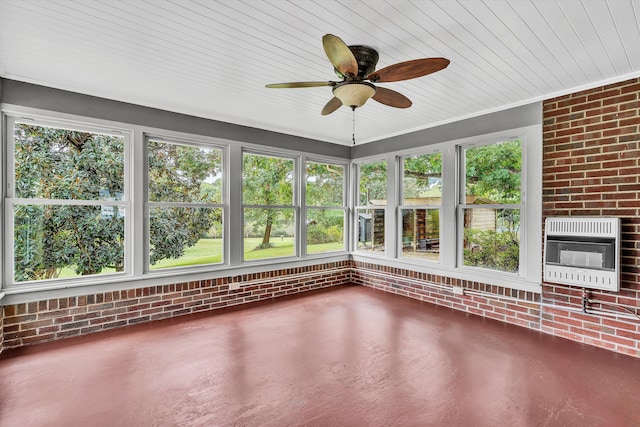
x=333, y=104
x=340, y=55
x=408, y=70
x=391, y=98
x=299, y=84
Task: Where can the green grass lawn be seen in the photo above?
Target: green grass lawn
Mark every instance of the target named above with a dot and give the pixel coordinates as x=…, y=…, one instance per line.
x=325, y=247
x=209, y=251
x=206, y=251
x=283, y=246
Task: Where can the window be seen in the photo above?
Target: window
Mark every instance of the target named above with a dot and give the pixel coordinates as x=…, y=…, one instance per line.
x=67, y=202
x=420, y=206
x=491, y=205
x=185, y=204
x=325, y=207
x=268, y=207
x=371, y=204
x=469, y=209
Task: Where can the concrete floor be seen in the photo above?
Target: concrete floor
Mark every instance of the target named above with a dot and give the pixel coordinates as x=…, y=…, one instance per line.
x=347, y=356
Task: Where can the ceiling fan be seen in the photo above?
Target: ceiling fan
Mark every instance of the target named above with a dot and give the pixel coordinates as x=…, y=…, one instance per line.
x=355, y=65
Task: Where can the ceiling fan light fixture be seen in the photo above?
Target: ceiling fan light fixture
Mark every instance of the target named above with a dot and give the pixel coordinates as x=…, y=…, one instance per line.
x=354, y=94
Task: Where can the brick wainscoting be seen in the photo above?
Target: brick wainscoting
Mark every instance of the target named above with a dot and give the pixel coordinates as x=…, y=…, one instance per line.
x=495, y=302
x=592, y=168
x=53, y=319
x=1, y=328
x=557, y=311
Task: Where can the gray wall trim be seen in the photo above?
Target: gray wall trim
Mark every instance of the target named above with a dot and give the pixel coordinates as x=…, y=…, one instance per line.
x=513, y=118
x=46, y=98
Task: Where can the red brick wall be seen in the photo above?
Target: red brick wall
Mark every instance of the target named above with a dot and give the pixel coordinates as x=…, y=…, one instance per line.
x=53, y=319
x=592, y=168
x=495, y=302
x=1, y=328
x=557, y=311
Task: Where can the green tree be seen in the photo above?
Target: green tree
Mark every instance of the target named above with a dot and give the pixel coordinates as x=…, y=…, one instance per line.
x=420, y=174
x=325, y=187
x=491, y=249
x=60, y=164
x=373, y=182
x=181, y=174
x=267, y=181
x=493, y=173
x=325, y=184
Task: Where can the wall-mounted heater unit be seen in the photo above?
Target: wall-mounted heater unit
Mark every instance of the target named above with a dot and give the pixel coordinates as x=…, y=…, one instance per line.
x=583, y=251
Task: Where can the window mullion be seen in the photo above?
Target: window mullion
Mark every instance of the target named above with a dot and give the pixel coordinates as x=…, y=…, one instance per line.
x=449, y=209
x=8, y=229
x=234, y=222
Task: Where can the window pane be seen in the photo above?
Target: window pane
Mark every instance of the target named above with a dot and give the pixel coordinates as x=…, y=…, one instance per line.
x=183, y=173
x=422, y=180
x=371, y=230
x=267, y=180
x=64, y=164
x=421, y=234
x=67, y=241
x=269, y=233
x=324, y=184
x=184, y=236
x=325, y=230
x=493, y=173
x=492, y=238
x=373, y=184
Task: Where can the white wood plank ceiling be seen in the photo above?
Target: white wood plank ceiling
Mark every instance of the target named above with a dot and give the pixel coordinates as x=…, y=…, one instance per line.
x=213, y=58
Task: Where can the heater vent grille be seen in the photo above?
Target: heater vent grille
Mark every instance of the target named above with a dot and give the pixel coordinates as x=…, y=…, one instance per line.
x=586, y=227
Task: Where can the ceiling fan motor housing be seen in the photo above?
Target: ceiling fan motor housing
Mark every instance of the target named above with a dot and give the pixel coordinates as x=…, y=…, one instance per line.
x=367, y=59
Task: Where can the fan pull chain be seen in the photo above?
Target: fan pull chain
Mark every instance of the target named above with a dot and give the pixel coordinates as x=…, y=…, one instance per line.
x=353, y=132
